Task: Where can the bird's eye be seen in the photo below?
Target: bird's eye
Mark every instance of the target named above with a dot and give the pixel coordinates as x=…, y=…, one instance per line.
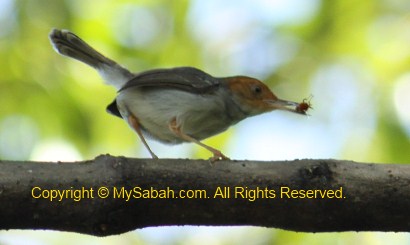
x=257, y=89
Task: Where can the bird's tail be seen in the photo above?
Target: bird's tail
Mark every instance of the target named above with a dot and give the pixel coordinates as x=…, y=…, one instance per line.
x=69, y=44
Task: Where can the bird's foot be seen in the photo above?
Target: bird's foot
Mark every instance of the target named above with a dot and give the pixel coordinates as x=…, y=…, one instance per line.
x=218, y=156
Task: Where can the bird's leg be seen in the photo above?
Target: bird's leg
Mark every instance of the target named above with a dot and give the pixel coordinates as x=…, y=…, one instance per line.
x=133, y=121
x=176, y=129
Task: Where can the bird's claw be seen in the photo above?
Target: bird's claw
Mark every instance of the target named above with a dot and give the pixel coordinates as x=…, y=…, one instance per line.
x=218, y=156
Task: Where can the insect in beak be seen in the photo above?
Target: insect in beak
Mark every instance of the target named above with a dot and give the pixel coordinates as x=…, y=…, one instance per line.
x=285, y=105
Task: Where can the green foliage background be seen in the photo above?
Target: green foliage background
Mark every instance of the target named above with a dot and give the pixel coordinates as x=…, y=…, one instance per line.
x=48, y=100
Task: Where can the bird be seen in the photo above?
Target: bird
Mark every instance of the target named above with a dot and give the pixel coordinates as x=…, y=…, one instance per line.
x=175, y=105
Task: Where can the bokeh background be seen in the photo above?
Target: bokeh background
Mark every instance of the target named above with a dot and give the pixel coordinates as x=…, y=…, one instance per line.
x=353, y=57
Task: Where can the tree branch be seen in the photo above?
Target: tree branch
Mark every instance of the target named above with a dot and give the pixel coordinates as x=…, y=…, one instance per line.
x=301, y=195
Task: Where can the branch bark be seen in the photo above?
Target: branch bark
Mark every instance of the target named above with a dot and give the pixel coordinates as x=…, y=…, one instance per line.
x=300, y=195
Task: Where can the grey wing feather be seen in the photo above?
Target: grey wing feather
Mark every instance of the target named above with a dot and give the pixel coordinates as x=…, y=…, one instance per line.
x=113, y=109
x=183, y=78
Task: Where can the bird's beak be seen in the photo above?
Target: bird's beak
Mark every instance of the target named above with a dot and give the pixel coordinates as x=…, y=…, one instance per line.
x=284, y=105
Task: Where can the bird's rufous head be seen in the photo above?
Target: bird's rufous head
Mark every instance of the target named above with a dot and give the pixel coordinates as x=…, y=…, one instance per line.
x=255, y=98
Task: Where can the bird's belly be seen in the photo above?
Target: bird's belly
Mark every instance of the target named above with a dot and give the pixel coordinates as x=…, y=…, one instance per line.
x=199, y=116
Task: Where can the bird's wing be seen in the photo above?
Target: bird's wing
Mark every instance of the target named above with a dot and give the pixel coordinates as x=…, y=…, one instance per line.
x=183, y=78
x=113, y=109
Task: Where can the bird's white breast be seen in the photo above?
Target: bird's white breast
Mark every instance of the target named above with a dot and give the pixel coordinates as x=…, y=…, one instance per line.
x=199, y=116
